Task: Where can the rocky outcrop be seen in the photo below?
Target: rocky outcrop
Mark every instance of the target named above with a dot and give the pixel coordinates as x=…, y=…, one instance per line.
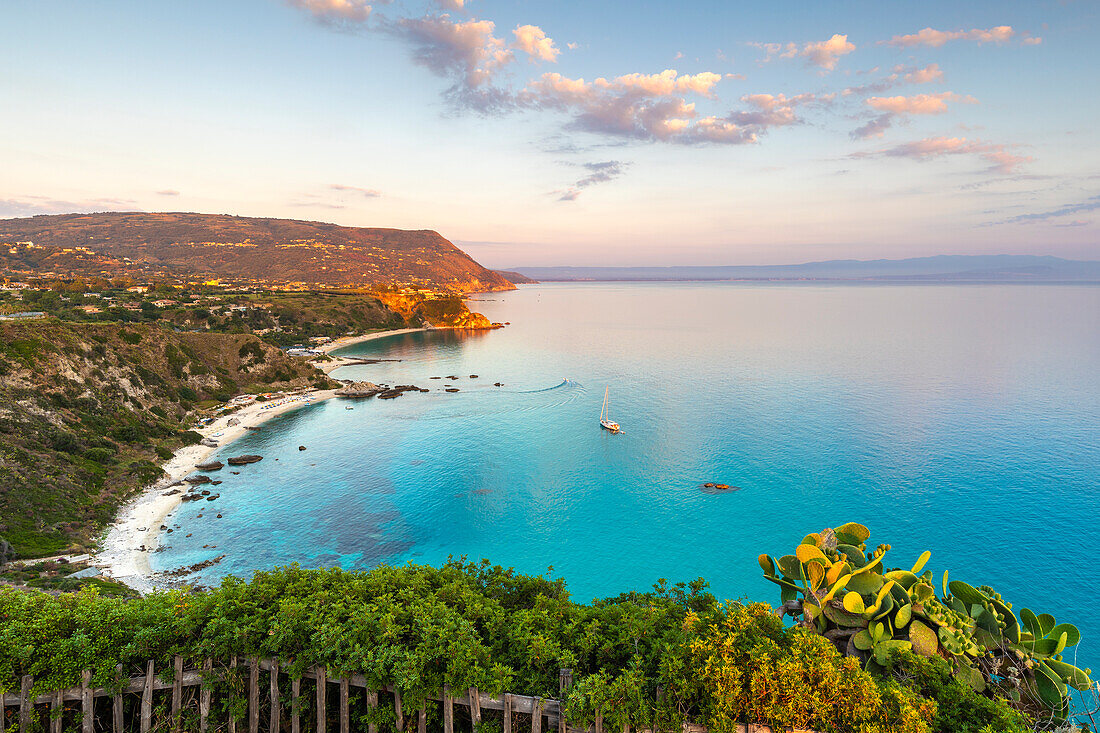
x=211, y=466
x=359, y=389
x=244, y=460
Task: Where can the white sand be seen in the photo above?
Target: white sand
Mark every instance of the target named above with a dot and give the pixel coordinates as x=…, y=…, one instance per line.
x=349, y=340
x=135, y=533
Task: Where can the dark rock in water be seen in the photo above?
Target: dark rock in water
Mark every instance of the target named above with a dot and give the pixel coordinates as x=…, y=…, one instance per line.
x=708, y=486
x=473, y=376
x=301, y=447
x=235, y=473
x=215, y=483
x=193, y=480
x=219, y=516
x=451, y=389
x=244, y=460
x=435, y=377
x=425, y=390
x=497, y=384
x=164, y=526
x=211, y=466
x=206, y=493
x=212, y=498
x=389, y=394
x=452, y=378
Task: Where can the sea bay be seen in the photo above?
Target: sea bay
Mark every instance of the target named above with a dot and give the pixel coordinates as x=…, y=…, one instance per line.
x=963, y=419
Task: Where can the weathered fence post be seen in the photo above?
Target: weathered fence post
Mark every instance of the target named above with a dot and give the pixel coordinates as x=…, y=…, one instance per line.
x=276, y=707
x=345, y=713
x=26, y=707
x=295, y=705
x=475, y=707
x=231, y=725
x=448, y=710
x=599, y=721
x=56, y=712
x=565, y=681
x=117, y=722
x=507, y=712
x=87, y=702
x=147, y=699
x=254, y=695
x=372, y=703
x=204, y=695
x=536, y=715
x=422, y=721
x=322, y=698
x=397, y=709
x=177, y=691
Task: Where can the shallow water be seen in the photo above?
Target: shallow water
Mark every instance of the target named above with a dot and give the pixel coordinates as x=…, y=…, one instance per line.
x=964, y=419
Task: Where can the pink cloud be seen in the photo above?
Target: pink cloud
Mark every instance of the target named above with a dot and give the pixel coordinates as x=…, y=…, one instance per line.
x=928, y=74
x=465, y=51
x=335, y=11
x=651, y=107
x=937, y=38
x=533, y=41
x=918, y=104
x=822, y=54
x=999, y=158
x=876, y=127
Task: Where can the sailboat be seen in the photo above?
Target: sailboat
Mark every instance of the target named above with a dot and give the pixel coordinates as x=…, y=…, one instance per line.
x=605, y=421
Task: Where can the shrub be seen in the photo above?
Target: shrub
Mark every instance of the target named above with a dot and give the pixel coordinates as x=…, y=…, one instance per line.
x=749, y=667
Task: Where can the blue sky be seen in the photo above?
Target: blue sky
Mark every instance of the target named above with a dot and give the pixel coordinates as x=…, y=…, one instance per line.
x=568, y=132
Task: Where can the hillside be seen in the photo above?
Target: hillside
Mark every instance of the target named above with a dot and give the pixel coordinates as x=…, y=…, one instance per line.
x=982, y=268
x=242, y=249
x=88, y=411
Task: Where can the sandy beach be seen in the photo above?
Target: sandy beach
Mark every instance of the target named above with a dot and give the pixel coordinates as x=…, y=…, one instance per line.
x=124, y=551
x=135, y=533
x=349, y=340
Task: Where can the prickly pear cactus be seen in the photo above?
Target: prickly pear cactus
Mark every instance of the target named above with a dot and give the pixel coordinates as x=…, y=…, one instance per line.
x=835, y=585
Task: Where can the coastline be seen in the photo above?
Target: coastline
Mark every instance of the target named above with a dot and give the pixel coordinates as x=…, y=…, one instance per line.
x=351, y=340
x=135, y=532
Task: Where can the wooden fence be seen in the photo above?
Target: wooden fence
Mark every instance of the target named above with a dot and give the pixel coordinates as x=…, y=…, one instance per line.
x=93, y=718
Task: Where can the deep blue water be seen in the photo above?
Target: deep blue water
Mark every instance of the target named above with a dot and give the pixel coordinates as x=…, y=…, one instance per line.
x=964, y=419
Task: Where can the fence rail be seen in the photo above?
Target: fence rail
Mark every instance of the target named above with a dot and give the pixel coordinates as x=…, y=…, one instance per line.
x=473, y=700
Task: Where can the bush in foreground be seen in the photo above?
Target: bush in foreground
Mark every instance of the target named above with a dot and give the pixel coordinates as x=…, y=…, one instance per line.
x=651, y=659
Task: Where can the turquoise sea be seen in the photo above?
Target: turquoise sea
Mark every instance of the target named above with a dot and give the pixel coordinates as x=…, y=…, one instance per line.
x=964, y=419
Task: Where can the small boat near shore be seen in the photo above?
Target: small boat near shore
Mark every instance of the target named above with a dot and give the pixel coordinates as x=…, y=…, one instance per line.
x=605, y=416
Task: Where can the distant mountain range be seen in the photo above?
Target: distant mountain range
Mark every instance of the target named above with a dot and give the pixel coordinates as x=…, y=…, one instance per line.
x=983, y=268
x=215, y=246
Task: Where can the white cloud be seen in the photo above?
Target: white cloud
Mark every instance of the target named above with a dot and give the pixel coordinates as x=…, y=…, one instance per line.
x=534, y=42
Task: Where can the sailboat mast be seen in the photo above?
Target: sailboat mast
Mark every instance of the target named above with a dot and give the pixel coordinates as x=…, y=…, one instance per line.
x=603, y=412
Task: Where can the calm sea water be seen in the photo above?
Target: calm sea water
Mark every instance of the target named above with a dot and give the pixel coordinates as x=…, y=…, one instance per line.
x=964, y=419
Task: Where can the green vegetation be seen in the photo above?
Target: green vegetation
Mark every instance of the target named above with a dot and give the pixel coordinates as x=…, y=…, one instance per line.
x=54, y=576
x=844, y=592
x=281, y=318
x=651, y=659
x=90, y=410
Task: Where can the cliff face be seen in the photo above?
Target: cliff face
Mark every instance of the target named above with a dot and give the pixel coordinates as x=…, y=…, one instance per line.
x=210, y=246
x=87, y=411
x=442, y=312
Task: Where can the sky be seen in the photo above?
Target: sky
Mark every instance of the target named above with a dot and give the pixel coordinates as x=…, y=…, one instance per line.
x=572, y=133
